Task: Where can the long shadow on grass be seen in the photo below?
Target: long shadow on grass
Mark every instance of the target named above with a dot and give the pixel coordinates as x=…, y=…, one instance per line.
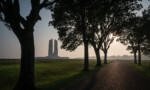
x=88, y=86
x=66, y=81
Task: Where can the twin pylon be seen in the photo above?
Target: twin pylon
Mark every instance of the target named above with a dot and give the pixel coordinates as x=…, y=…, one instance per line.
x=53, y=52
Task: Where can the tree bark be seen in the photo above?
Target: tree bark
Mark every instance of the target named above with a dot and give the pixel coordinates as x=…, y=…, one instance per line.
x=26, y=78
x=86, y=57
x=135, y=59
x=139, y=54
x=105, y=57
x=98, y=58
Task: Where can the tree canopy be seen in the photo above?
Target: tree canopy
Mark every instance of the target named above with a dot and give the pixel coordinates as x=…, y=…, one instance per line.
x=80, y=21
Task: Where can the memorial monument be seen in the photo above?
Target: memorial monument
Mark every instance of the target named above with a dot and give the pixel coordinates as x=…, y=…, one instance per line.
x=53, y=51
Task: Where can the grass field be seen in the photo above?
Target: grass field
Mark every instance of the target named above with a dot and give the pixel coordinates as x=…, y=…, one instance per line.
x=49, y=74
x=144, y=68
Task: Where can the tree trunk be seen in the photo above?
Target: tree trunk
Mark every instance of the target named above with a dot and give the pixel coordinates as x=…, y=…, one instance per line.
x=139, y=54
x=26, y=78
x=98, y=63
x=86, y=57
x=105, y=57
x=135, y=59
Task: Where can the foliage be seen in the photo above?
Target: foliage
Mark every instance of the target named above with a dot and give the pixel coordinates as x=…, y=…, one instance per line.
x=68, y=18
x=107, y=42
x=145, y=28
x=110, y=19
x=80, y=21
x=134, y=34
x=127, y=37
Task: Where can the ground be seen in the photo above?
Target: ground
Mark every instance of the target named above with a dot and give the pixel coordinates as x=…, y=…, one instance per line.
x=49, y=74
x=119, y=75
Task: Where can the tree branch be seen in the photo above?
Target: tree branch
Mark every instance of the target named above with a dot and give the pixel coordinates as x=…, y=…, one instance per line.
x=16, y=12
x=46, y=3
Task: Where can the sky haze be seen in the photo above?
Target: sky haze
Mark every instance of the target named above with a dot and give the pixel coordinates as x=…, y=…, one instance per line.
x=10, y=47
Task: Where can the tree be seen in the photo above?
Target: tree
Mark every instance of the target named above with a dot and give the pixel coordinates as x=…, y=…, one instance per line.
x=135, y=35
x=146, y=20
x=146, y=47
x=100, y=29
x=23, y=28
x=83, y=16
x=108, y=17
x=127, y=37
x=140, y=36
x=70, y=17
x=106, y=45
x=145, y=28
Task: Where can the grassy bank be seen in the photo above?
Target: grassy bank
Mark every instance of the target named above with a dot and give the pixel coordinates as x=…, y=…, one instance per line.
x=144, y=68
x=49, y=74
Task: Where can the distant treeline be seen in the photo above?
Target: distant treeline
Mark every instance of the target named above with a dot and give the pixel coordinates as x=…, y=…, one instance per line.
x=123, y=57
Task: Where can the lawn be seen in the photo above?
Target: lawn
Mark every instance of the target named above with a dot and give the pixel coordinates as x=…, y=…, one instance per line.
x=49, y=74
x=144, y=68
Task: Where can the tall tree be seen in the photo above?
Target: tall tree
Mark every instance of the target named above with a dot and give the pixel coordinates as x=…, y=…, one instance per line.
x=146, y=29
x=139, y=33
x=23, y=28
x=83, y=16
x=127, y=37
x=106, y=45
x=135, y=34
x=70, y=17
x=108, y=18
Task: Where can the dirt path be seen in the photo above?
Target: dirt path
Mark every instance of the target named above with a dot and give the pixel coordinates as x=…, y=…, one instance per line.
x=115, y=76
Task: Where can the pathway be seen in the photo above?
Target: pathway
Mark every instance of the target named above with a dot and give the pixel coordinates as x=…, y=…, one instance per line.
x=115, y=76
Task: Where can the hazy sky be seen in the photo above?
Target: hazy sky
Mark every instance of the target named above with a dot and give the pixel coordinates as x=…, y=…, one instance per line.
x=10, y=47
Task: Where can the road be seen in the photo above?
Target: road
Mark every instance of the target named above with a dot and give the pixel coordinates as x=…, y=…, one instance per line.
x=115, y=76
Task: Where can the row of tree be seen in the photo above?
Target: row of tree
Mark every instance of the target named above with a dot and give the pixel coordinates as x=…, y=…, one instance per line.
x=90, y=23
x=136, y=33
x=87, y=22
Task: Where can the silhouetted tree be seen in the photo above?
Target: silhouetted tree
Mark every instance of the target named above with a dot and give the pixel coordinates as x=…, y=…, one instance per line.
x=83, y=16
x=108, y=18
x=146, y=47
x=127, y=37
x=70, y=17
x=142, y=33
x=23, y=28
x=135, y=35
x=146, y=28
x=106, y=45
x=140, y=36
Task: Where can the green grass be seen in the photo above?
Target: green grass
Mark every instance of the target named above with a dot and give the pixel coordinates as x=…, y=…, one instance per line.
x=49, y=74
x=144, y=68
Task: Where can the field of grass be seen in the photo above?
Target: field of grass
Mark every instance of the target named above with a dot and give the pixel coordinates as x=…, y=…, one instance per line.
x=49, y=74
x=144, y=68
